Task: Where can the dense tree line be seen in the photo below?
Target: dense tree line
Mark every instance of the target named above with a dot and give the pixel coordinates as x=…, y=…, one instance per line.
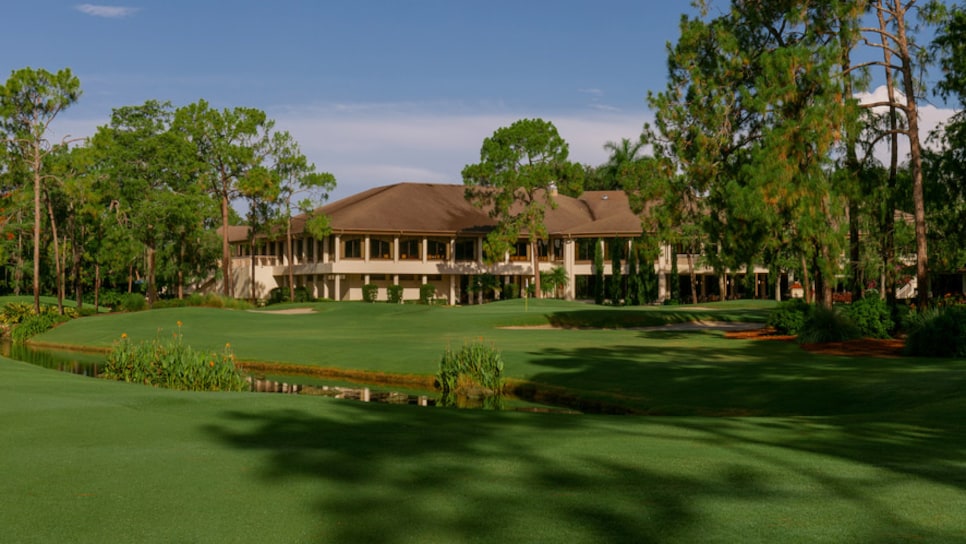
x=761, y=153
x=138, y=206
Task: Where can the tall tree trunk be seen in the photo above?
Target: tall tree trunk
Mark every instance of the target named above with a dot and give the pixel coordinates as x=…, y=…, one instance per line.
x=536, y=268
x=181, y=259
x=37, y=189
x=915, y=165
x=778, y=286
x=251, y=246
x=229, y=286
x=806, y=286
x=57, y=264
x=291, y=261
x=826, y=282
x=152, y=290
x=888, y=221
x=76, y=257
x=692, y=276
x=18, y=272
x=97, y=287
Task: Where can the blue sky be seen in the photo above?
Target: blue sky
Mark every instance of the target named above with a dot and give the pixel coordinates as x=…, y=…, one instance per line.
x=377, y=91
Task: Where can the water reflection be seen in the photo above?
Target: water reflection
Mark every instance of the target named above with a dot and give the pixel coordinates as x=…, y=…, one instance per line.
x=75, y=362
x=90, y=364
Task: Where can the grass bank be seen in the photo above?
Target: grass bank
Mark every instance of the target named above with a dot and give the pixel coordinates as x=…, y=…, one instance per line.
x=840, y=449
x=96, y=461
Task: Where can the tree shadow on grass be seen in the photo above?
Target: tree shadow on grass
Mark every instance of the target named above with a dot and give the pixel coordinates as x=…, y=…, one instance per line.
x=405, y=474
x=907, y=415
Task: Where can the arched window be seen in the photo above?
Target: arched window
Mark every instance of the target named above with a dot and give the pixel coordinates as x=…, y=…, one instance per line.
x=410, y=249
x=380, y=249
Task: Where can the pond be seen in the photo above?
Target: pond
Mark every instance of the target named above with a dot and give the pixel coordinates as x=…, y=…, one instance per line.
x=89, y=364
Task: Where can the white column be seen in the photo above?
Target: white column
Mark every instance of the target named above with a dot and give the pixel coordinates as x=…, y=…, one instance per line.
x=570, y=261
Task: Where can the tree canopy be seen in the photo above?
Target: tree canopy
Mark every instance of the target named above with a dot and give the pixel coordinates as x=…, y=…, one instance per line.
x=521, y=168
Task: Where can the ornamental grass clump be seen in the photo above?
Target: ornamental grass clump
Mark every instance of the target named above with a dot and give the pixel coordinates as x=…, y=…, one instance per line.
x=828, y=325
x=473, y=371
x=173, y=364
x=937, y=332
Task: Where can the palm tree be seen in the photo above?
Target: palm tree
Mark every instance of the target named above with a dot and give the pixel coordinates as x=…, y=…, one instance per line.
x=554, y=281
x=621, y=154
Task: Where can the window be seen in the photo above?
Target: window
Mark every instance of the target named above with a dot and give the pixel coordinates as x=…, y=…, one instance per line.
x=586, y=248
x=682, y=249
x=380, y=249
x=465, y=249
x=410, y=249
x=436, y=250
x=352, y=248
x=543, y=250
x=520, y=251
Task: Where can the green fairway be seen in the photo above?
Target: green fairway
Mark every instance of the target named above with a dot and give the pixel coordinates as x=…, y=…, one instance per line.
x=648, y=370
x=841, y=450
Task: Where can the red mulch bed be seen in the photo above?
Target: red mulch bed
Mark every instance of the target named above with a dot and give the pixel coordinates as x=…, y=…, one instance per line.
x=863, y=347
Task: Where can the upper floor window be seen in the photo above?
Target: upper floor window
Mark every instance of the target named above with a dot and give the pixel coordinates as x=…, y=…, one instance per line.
x=521, y=251
x=543, y=250
x=586, y=248
x=380, y=249
x=437, y=250
x=410, y=249
x=465, y=249
x=352, y=248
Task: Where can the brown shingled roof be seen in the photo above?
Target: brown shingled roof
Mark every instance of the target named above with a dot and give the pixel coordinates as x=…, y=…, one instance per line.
x=427, y=208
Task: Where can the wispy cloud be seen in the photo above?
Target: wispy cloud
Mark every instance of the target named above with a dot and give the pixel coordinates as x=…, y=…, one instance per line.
x=379, y=146
x=370, y=144
x=596, y=95
x=109, y=12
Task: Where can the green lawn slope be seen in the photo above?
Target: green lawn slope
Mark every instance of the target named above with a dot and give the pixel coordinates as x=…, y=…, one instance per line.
x=839, y=449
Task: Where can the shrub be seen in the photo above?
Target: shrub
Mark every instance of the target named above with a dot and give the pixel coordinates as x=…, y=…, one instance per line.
x=132, y=302
x=86, y=311
x=174, y=365
x=34, y=325
x=938, y=332
x=395, y=294
x=475, y=370
x=827, y=325
x=213, y=300
x=169, y=303
x=427, y=293
x=16, y=312
x=370, y=292
x=789, y=317
x=302, y=294
x=872, y=316
x=106, y=298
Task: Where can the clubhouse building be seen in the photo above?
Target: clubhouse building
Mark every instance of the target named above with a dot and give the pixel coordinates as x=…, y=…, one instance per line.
x=413, y=234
